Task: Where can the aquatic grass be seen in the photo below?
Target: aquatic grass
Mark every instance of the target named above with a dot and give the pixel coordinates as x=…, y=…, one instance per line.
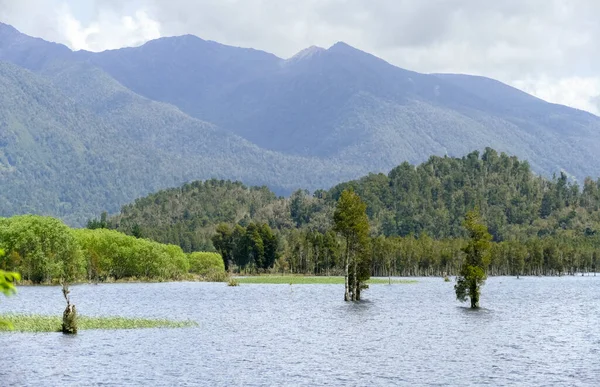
x=41, y=323
x=312, y=280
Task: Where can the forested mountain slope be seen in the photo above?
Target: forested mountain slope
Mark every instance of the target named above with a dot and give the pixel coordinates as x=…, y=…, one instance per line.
x=430, y=198
x=347, y=104
x=74, y=142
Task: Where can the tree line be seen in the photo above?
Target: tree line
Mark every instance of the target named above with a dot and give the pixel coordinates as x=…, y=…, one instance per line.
x=539, y=226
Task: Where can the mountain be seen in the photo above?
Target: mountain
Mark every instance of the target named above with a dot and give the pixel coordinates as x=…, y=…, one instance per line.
x=348, y=105
x=83, y=132
x=73, y=142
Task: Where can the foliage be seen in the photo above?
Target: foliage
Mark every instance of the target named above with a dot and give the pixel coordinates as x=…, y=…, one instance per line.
x=233, y=282
x=42, y=249
x=47, y=251
x=539, y=226
x=7, y=280
x=111, y=254
x=208, y=265
x=477, y=257
x=254, y=248
x=7, y=287
x=351, y=222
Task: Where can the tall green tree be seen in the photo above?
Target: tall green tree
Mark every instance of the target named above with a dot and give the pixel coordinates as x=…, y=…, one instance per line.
x=477, y=257
x=351, y=221
x=223, y=243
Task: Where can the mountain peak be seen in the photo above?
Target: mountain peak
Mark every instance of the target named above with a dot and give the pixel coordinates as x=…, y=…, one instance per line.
x=307, y=53
x=342, y=47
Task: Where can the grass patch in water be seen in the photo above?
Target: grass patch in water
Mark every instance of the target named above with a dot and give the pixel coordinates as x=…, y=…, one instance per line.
x=39, y=323
x=309, y=280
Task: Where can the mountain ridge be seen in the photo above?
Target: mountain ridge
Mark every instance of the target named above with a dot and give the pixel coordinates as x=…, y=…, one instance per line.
x=196, y=109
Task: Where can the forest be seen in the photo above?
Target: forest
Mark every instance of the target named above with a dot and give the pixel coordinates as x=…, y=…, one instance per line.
x=539, y=226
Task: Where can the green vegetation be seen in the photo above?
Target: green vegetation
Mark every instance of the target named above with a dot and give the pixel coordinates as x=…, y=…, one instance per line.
x=38, y=323
x=351, y=222
x=210, y=266
x=7, y=287
x=416, y=213
x=477, y=258
x=45, y=250
x=7, y=280
x=313, y=280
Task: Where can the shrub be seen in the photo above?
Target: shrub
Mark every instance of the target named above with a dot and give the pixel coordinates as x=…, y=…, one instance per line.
x=205, y=264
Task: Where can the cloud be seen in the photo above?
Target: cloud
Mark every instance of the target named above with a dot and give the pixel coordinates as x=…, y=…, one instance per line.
x=582, y=93
x=545, y=47
x=108, y=31
x=55, y=20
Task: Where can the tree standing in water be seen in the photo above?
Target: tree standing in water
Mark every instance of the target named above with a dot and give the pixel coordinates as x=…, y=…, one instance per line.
x=477, y=257
x=351, y=221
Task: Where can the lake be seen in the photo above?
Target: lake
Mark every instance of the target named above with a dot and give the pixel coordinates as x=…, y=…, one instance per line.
x=530, y=332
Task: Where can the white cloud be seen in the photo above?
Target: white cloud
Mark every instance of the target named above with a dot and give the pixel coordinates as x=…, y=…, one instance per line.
x=108, y=31
x=578, y=92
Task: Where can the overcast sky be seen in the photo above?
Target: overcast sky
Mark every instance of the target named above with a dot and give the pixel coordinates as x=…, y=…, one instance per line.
x=549, y=48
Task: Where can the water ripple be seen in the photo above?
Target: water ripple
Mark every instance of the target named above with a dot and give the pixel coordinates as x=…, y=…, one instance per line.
x=531, y=332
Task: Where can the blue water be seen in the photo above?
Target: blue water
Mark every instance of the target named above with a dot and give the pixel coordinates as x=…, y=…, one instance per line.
x=529, y=332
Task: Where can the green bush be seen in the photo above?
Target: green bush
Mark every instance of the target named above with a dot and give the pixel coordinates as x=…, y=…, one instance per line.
x=205, y=264
x=44, y=250
x=113, y=254
x=40, y=248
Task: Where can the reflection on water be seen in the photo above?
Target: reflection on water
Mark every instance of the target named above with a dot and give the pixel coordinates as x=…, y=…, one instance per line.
x=530, y=332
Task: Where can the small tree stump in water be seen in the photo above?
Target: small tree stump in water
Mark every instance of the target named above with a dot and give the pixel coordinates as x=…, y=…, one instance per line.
x=69, y=325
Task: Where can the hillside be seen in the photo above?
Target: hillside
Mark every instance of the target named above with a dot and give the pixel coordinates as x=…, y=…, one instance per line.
x=346, y=104
x=430, y=198
x=75, y=142
x=85, y=132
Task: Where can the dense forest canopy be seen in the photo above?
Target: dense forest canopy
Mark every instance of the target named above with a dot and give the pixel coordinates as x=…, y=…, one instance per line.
x=538, y=225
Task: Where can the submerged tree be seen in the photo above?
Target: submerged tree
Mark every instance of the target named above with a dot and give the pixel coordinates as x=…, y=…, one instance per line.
x=477, y=250
x=352, y=223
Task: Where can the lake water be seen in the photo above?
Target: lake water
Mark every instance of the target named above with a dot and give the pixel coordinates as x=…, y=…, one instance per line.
x=530, y=332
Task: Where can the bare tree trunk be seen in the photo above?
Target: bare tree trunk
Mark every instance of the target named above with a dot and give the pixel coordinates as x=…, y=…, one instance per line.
x=69, y=324
x=346, y=294
x=355, y=291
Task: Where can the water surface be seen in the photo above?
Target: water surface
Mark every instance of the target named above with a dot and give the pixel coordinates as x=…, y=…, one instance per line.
x=530, y=332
